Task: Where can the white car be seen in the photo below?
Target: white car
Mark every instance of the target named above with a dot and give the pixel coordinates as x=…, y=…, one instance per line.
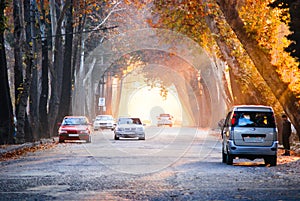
x=165, y=119
x=128, y=127
x=104, y=122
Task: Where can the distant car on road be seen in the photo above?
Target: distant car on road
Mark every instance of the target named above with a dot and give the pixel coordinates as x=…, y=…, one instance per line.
x=165, y=119
x=75, y=128
x=104, y=122
x=128, y=127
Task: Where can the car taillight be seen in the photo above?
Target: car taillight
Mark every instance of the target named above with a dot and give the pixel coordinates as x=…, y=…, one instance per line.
x=233, y=120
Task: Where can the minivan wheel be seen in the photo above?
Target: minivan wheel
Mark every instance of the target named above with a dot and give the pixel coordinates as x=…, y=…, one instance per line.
x=272, y=160
x=116, y=137
x=224, y=157
x=229, y=159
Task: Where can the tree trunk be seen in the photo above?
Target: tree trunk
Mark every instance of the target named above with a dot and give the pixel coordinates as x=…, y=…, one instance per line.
x=263, y=64
x=56, y=75
x=18, y=67
x=34, y=93
x=23, y=136
x=108, y=95
x=6, y=111
x=43, y=117
x=65, y=98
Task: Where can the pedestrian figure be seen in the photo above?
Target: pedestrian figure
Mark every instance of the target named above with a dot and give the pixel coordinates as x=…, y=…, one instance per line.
x=286, y=133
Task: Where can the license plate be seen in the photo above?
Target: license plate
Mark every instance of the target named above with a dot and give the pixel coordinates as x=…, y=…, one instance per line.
x=253, y=139
x=73, y=135
x=129, y=133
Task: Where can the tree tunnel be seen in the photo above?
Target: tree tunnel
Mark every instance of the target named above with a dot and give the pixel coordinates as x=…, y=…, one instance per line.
x=175, y=67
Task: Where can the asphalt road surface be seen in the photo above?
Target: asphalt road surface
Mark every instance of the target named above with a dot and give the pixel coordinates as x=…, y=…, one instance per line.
x=171, y=164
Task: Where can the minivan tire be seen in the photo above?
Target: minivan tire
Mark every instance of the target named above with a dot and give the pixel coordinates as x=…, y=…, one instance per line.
x=270, y=160
x=224, y=157
x=229, y=159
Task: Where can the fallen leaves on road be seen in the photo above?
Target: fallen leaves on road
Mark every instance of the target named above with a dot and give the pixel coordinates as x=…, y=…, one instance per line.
x=20, y=152
x=287, y=159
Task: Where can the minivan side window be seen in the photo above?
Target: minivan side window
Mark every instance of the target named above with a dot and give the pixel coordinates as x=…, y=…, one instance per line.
x=227, y=122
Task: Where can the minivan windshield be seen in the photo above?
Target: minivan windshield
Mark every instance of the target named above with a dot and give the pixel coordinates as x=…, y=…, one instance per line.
x=253, y=119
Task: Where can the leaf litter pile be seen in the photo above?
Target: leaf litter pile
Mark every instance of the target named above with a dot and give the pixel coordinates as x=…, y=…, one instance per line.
x=16, y=153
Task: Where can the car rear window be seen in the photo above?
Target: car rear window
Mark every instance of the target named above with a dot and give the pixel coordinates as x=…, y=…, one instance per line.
x=253, y=119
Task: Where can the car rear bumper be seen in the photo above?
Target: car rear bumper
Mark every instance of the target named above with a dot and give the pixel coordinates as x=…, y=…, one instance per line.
x=252, y=150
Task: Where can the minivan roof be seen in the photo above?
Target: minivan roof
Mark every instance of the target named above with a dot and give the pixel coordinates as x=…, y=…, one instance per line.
x=252, y=108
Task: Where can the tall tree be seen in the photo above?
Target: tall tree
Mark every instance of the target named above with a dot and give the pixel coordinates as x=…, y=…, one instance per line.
x=24, y=133
x=262, y=62
x=65, y=98
x=43, y=102
x=18, y=41
x=57, y=71
x=6, y=111
x=34, y=86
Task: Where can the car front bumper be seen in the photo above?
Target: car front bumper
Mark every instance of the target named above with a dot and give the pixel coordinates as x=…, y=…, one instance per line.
x=73, y=136
x=129, y=135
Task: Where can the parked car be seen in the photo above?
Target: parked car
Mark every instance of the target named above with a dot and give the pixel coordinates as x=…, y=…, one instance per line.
x=250, y=132
x=165, y=119
x=75, y=128
x=128, y=127
x=104, y=122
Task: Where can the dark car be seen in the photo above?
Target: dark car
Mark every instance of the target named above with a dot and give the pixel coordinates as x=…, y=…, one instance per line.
x=75, y=128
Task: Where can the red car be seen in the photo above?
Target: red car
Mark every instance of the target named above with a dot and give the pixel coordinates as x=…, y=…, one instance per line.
x=75, y=128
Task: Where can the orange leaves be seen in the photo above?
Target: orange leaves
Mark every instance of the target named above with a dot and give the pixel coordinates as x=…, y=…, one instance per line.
x=17, y=152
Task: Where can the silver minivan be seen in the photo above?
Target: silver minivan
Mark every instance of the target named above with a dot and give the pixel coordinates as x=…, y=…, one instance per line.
x=250, y=131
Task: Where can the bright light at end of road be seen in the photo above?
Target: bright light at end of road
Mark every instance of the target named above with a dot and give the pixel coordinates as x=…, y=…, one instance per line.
x=147, y=104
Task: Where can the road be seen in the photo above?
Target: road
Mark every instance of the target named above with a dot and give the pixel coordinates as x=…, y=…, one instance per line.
x=171, y=164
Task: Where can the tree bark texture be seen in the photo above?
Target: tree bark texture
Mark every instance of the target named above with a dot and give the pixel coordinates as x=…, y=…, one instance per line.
x=65, y=98
x=22, y=135
x=18, y=41
x=43, y=113
x=56, y=75
x=34, y=91
x=6, y=111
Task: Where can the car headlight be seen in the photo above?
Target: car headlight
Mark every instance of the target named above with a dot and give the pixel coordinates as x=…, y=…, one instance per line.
x=119, y=129
x=62, y=131
x=83, y=131
x=140, y=129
